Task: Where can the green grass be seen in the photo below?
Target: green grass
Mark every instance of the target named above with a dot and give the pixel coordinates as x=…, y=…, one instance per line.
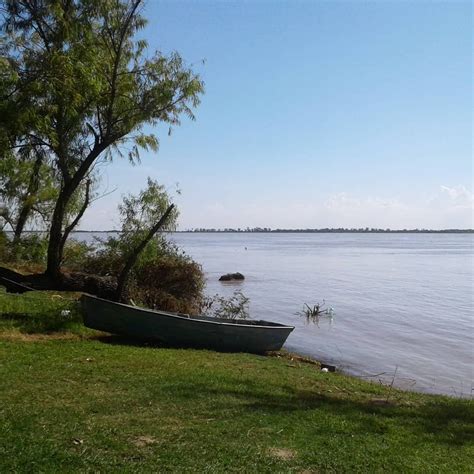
x=41, y=312
x=95, y=404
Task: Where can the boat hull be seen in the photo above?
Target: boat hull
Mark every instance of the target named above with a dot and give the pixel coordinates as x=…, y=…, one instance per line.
x=181, y=330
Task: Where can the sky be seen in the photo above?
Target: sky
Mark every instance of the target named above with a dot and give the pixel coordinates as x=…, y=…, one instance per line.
x=316, y=114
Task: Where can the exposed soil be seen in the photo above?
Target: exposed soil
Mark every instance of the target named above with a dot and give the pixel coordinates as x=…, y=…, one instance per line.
x=282, y=453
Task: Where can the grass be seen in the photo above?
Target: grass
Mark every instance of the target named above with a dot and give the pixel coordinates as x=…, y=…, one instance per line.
x=92, y=403
x=41, y=312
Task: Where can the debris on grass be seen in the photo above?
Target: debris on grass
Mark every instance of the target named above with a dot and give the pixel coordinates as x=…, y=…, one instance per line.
x=282, y=454
x=143, y=441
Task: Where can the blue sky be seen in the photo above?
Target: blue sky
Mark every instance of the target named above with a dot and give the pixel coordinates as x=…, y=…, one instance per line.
x=316, y=114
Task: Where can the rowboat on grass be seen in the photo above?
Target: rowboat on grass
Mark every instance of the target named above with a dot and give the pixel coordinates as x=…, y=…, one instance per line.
x=183, y=330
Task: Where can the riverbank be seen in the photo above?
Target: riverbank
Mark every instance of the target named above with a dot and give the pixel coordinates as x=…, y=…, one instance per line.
x=73, y=397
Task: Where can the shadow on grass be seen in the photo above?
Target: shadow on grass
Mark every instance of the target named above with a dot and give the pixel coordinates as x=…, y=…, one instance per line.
x=39, y=313
x=42, y=324
x=118, y=340
x=450, y=421
x=440, y=420
x=445, y=421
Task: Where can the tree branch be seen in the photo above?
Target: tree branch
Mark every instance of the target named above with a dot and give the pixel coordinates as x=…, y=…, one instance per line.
x=41, y=141
x=73, y=224
x=96, y=136
x=118, y=56
x=4, y=214
x=123, y=277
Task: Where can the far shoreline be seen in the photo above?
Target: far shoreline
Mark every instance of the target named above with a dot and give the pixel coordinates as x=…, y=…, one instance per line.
x=302, y=231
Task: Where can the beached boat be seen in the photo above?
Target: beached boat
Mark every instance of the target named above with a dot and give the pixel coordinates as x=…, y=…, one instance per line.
x=183, y=330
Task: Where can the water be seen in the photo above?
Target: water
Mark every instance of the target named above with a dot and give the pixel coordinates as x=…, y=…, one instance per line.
x=402, y=302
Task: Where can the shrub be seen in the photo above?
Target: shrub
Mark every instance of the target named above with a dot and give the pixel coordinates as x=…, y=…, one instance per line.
x=234, y=307
x=76, y=254
x=171, y=282
x=107, y=259
x=163, y=278
x=31, y=249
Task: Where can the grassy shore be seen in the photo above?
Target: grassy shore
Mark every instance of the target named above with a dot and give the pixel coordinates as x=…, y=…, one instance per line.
x=75, y=400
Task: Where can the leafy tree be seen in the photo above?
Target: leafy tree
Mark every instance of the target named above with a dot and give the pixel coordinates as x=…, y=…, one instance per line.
x=25, y=176
x=142, y=217
x=85, y=89
x=27, y=190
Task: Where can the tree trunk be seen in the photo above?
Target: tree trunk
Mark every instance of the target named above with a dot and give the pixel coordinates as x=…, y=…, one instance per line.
x=124, y=274
x=81, y=212
x=27, y=206
x=56, y=245
x=20, y=223
x=19, y=226
x=71, y=183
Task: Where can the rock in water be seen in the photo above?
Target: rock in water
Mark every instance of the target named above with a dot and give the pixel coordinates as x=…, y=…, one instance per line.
x=232, y=276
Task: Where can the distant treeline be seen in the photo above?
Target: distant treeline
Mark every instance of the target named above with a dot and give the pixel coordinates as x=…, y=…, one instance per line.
x=339, y=230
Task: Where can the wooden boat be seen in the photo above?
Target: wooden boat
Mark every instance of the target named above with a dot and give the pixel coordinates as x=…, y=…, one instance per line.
x=183, y=330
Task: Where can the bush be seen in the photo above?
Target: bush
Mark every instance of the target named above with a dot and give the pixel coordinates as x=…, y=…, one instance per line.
x=164, y=277
x=106, y=259
x=110, y=254
x=171, y=283
x=31, y=249
x=234, y=307
x=77, y=254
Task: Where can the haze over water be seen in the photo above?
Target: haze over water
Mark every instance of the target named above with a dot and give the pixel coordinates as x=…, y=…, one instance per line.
x=402, y=302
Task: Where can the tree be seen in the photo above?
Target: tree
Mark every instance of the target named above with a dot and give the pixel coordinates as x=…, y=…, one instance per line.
x=142, y=217
x=27, y=190
x=86, y=90
x=25, y=177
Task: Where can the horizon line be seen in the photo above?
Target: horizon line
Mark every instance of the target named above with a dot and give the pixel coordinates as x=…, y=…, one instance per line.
x=263, y=230
x=304, y=230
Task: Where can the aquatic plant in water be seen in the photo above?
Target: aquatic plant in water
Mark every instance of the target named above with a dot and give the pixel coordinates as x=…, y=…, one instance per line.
x=314, y=312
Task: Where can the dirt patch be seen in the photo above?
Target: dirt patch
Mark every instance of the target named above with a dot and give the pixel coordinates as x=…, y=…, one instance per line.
x=383, y=402
x=143, y=441
x=14, y=335
x=283, y=454
x=293, y=357
x=23, y=337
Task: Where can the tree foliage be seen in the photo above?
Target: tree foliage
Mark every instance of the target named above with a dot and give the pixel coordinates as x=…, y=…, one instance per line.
x=142, y=217
x=27, y=190
x=149, y=269
x=78, y=84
